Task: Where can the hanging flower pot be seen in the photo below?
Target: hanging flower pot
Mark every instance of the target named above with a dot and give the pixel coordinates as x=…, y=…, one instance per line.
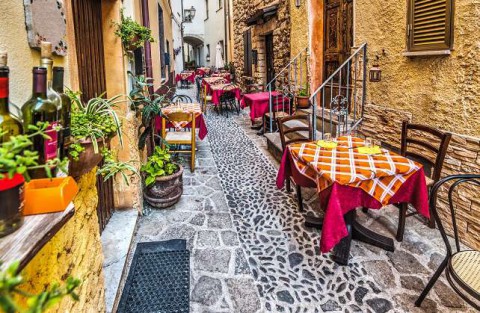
x=87, y=159
x=12, y=195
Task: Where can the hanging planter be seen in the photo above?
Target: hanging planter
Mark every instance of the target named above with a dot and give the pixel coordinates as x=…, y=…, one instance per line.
x=132, y=34
x=11, y=193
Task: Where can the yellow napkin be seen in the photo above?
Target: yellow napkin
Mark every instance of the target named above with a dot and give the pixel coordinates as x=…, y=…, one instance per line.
x=327, y=144
x=370, y=150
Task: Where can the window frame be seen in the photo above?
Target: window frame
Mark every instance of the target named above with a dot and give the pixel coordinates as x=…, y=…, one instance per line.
x=411, y=48
x=206, y=10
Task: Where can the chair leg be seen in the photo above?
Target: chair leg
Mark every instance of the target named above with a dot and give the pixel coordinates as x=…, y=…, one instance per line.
x=192, y=162
x=299, y=198
x=365, y=210
x=431, y=282
x=288, y=185
x=402, y=216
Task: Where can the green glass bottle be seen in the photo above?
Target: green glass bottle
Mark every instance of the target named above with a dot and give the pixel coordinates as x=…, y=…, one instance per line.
x=65, y=112
x=40, y=109
x=9, y=124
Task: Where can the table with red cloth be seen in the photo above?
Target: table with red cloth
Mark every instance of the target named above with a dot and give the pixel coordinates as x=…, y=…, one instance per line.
x=202, y=71
x=227, y=76
x=219, y=89
x=347, y=179
x=209, y=81
x=259, y=102
x=185, y=75
x=186, y=108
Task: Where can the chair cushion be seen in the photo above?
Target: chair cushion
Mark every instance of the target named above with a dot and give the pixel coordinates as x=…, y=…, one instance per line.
x=465, y=268
x=173, y=137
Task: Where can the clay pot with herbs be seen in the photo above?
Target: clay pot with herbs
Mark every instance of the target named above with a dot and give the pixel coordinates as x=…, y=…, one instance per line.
x=87, y=159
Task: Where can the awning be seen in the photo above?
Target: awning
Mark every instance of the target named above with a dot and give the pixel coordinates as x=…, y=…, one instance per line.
x=263, y=14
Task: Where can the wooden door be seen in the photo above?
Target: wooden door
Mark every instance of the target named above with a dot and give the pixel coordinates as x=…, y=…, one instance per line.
x=87, y=16
x=338, y=17
x=269, y=59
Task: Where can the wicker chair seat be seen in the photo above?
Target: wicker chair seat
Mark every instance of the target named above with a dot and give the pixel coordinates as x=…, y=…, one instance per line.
x=465, y=269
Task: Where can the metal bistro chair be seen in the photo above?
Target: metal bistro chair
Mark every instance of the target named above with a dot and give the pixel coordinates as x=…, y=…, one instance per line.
x=431, y=158
x=228, y=100
x=198, y=83
x=462, y=268
x=181, y=137
x=289, y=128
x=181, y=99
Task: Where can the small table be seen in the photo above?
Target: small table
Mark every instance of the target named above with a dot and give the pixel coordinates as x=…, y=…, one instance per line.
x=346, y=180
x=202, y=71
x=186, y=108
x=219, y=89
x=259, y=103
x=209, y=81
x=185, y=77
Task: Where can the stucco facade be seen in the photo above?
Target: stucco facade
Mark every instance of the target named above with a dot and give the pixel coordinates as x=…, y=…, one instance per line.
x=214, y=30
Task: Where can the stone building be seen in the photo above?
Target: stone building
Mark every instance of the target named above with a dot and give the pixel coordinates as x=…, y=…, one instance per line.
x=429, y=80
x=261, y=38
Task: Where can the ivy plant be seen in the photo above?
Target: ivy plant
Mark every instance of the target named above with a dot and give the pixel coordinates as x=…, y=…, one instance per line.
x=16, y=156
x=158, y=164
x=10, y=282
x=132, y=34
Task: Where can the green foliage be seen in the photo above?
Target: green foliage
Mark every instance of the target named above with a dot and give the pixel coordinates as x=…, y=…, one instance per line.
x=303, y=92
x=10, y=281
x=112, y=167
x=17, y=158
x=93, y=120
x=147, y=104
x=158, y=164
x=132, y=34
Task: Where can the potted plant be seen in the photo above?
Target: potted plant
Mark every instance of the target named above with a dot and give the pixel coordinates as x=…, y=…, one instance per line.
x=132, y=34
x=11, y=281
x=163, y=179
x=93, y=124
x=16, y=159
x=302, y=98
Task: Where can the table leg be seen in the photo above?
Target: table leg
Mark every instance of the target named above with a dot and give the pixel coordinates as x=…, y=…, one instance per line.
x=341, y=252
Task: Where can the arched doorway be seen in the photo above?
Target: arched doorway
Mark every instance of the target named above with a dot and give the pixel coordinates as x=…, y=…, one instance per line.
x=194, y=50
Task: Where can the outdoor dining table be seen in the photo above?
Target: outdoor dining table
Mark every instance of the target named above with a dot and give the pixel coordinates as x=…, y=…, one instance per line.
x=202, y=71
x=219, y=89
x=186, y=108
x=185, y=75
x=346, y=180
x=259, y=103
x=207, y=82
x=227, y=76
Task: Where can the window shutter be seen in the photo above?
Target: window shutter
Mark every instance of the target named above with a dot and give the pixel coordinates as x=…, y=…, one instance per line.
x=247, y=48
x=430, y=25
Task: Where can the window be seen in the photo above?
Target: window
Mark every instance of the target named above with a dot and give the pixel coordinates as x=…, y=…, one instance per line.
x=247, y=48
x=429, y=25
x=206, y=9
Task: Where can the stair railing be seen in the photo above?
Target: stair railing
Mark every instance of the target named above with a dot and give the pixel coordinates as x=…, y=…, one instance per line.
x=288, y=81
x=342, y=97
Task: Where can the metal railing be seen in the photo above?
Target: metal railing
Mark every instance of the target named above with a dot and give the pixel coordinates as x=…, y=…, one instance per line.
x=342, y=96
x=286, y=84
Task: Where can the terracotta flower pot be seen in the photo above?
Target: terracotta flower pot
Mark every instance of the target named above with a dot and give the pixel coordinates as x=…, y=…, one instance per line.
x=131, y=46
x=87, y=160
x=303, y=102
x=12, y=195
x=166, y=191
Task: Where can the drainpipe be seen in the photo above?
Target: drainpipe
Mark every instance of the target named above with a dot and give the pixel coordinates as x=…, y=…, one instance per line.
x=225, y=41
x=181, y=33
x=148, y=48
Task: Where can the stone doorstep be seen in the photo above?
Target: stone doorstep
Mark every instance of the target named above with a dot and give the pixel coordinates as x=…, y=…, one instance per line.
x=116, y=243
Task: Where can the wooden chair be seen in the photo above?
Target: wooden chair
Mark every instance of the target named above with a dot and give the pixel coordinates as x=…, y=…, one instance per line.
x=418, y=144
x=181, y=137
x=462, y=268
x=205, y=99
x=287, y=139
x=281, y=107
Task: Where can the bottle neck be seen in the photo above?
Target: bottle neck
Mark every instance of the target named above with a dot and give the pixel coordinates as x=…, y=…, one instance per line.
x=39, y=84
x=48, y=64
x=4, y=94
x=58, y=82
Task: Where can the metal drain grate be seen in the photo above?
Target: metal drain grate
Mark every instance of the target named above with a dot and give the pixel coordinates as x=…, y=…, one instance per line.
x=159, y=279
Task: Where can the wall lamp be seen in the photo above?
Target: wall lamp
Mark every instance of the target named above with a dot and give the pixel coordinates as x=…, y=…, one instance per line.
x=298, y=3
x=189, y=14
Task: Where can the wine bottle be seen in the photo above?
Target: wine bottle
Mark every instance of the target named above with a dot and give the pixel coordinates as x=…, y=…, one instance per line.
x=46, y=61
x=40, y=109
x=65, y=135
x=9, y=124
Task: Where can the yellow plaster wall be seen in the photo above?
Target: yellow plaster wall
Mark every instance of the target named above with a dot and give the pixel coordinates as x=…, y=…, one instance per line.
x=76, y=251
x=299, y=27
x=21, y=58
x=442, y=91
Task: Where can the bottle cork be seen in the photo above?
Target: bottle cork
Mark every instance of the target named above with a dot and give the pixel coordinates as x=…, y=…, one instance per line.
x=46, y=49
x=3, y=58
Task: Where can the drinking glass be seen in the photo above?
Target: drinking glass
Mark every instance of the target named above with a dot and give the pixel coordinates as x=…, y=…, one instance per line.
x=327, y=137
x=369, y=142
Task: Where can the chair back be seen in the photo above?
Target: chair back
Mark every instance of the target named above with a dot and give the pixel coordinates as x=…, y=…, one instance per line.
x=426, y=145
x=284, y=131
x=181, y=117
x=456, y=181
x=181, y=99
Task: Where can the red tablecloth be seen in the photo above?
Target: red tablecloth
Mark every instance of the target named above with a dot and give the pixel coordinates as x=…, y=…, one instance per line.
x=338, y=199
x=217, y=91
x=227, y=76
x=259, y=102
x=202, y=71
x=190, y=76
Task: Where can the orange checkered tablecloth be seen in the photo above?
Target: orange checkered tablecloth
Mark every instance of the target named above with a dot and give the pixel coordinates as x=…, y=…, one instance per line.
x=185, y=108
x=379, y=175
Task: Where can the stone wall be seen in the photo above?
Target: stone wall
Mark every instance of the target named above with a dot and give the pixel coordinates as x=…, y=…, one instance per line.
x=75, y=251
x=278, y=25
x=463, y=157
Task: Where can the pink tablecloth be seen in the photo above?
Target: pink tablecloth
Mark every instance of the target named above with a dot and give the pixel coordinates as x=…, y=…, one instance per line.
x=199, y=123
x=202, y=71
x=259, y=102
x=217, y=91
x=339, y=199
x=190, y=76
